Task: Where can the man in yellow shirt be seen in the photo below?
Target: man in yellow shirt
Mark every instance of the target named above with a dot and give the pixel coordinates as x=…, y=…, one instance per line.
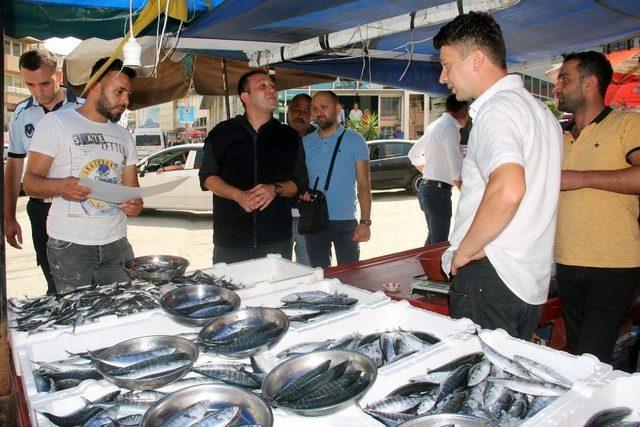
x=598, y=238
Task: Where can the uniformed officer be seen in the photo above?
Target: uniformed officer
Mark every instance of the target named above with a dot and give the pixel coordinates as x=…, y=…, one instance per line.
x=40, y=73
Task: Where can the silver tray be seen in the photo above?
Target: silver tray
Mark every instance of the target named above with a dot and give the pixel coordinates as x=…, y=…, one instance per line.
x=254, y=410
x=143, y=344
x=170, y=265
x=293, y=368
x=196, y=292
x=253, y=314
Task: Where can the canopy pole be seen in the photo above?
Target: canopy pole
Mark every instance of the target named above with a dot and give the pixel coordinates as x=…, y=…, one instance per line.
x=423, y=18
x=225, y=84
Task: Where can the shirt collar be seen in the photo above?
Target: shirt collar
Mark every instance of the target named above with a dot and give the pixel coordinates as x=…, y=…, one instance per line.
x=338, y=132
x=509, y=82
x=451, y=119
x=69, y=97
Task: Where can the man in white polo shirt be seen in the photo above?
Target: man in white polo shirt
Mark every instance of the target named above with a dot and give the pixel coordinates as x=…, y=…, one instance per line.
x=437, y=155
x=40, y=73
x=502, y=242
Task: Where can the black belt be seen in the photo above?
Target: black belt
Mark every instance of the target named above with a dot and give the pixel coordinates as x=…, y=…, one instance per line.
x=40, y=200
x=437, y=184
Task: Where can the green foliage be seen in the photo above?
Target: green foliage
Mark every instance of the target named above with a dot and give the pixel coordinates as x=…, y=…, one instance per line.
x=367, y=126
x=554, y=109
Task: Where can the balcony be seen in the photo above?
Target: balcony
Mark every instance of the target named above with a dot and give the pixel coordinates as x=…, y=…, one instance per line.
x=14, y=95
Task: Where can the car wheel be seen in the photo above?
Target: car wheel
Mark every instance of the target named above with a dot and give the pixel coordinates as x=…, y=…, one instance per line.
x=414, y=185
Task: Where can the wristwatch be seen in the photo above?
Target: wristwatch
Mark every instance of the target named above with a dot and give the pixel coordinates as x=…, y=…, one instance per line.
x=365, y=222
x=278, y=188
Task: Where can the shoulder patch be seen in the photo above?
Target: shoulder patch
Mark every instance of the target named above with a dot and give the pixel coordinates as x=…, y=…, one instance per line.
x=29, y=129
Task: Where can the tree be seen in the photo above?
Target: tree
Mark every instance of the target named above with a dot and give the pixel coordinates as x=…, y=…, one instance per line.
x=554, y=109
x=367, y=126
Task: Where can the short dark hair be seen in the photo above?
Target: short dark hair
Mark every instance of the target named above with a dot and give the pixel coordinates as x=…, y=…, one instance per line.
x=474, y=30
x=452, y=105
x=592, y=63
x=332, y=94
x=34, y=59
x=116, y=65
x=243, y=83
x=300, y=97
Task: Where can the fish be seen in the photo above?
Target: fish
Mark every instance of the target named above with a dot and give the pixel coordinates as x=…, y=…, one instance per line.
x=608, y=417
x=127, y=359
x=199, y=277
x=395, y=404
x=239, y=341
x=220, y=418
x=186, y=416
x=542, y=371
x=322, y=386
x=83, y=305
x=292, y=387
x=479, y=372
x=76, y=418
x=233, y=376
x=133, y=420
x=103, y=418
x=503, y=362
x=531, y=387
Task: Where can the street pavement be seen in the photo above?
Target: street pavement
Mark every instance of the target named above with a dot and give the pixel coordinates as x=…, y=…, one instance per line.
x=398, y=224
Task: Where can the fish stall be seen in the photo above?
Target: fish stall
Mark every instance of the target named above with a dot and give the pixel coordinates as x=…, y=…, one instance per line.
x=269, y=342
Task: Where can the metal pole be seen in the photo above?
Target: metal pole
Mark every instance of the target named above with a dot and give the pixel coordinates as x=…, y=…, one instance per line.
x=225, y=84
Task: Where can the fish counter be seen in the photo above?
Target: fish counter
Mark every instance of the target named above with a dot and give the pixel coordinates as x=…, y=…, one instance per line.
x=269, y=342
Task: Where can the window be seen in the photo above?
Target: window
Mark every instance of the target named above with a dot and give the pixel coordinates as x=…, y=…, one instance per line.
x=406, y=148
x=374, y=152
x=198, y=161
x=166, y=158
x=17, y=49
x=393, y=150
x=201, y=122
x=390, y=108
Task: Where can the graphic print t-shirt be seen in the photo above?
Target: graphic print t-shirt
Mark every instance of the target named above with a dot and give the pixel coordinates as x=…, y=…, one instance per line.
x=84, y=148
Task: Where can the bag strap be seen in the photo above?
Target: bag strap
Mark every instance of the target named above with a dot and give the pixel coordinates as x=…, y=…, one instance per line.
x=333, y=160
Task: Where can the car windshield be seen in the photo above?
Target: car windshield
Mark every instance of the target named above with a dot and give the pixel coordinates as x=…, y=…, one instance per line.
x=164, y=159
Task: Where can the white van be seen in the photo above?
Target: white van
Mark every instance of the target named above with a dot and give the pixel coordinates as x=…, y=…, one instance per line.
x=148, y=141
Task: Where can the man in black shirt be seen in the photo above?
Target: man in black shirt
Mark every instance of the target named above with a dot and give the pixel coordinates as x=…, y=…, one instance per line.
x=252, y=163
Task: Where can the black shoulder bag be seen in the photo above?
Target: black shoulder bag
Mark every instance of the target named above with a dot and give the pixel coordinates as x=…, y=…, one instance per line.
x=314, y=213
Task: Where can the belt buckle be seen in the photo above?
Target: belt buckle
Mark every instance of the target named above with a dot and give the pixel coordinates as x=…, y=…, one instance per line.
x=46, y=200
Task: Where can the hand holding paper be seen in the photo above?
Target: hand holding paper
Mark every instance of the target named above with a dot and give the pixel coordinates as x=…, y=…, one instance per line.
x=121, y=194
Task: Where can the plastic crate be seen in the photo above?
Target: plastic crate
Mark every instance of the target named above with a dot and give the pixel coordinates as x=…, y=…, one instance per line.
x=582, y=370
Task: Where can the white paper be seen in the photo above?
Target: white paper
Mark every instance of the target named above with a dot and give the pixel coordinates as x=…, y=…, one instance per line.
x=120, y=194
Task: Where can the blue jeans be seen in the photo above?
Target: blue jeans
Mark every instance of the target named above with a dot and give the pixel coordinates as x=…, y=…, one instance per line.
x=74, y=266
x=299, y=243
x=229, y=254
x=435, y=202
x=340, y=233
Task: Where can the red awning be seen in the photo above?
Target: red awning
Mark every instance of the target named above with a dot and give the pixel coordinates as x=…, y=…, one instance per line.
x=625, y=95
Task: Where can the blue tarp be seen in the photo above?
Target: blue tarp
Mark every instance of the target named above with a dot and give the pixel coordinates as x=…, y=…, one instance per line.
x=534, y=30
x=82, y=19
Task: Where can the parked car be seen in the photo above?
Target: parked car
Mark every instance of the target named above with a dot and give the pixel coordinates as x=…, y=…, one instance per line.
x=390, y=166
x=170, y=164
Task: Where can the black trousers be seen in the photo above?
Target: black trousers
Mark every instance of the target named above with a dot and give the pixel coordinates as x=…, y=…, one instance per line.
x=594, y=301
x=38, y=211
x=479, y=294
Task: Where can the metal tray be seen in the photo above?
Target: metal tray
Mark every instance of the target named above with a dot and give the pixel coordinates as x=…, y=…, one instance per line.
x=293, y=368
x=254, y=410
x=196, y=292
x=169, y=266
x=143, y=344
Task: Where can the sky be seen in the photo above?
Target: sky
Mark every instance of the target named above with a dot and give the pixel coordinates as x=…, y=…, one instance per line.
x=61, y=46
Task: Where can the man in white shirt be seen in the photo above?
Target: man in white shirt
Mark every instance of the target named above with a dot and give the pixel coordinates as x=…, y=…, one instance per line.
x=39, y=71
x=356, y=112
x=502, y=242
x=87, y=237
x=437, y=155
